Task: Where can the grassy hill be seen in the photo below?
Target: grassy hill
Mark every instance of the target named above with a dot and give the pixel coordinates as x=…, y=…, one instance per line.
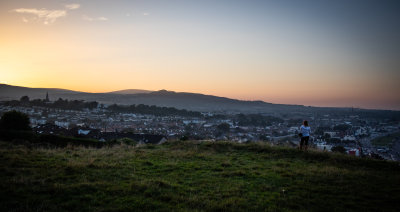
x=206, y=176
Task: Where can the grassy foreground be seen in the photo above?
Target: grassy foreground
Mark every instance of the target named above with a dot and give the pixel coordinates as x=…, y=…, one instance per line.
x=192, y=176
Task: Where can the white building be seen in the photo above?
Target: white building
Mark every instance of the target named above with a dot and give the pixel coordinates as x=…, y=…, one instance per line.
x=63, y=124
x=349, y=138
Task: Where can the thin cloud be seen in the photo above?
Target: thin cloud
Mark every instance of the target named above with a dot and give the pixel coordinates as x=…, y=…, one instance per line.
x=146, y=14
x=72, y=6
x=87, y=18
x=47, y=16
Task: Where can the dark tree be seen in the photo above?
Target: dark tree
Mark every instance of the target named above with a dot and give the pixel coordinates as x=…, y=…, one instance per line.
x=339, y=149
x=223, y=127
x=92, y=105
x=14, y=120
x=321, y=130
x=327, y=136
x=263, y=137
x=184, y=138
x=24, y=99
x=256, y=120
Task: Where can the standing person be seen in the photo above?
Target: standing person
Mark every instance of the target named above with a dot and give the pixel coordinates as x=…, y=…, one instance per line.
x=305, y=135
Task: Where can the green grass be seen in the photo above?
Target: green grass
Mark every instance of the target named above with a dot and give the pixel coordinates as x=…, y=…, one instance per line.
x=193, y=176
x=385, y=140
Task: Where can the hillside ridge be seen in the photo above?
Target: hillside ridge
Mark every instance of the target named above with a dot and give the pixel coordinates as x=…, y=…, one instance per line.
x=164, y=98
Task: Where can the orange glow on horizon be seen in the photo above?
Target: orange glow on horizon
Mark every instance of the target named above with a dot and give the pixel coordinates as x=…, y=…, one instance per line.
x=281, y=63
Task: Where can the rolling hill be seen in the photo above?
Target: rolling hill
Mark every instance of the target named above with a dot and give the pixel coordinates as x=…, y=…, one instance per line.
x=131, y=91
x=180, y=100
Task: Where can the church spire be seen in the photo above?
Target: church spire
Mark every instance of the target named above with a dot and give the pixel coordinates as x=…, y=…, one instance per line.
x=47, y=97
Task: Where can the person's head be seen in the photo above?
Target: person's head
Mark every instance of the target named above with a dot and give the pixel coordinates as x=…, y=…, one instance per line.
x=305, y=123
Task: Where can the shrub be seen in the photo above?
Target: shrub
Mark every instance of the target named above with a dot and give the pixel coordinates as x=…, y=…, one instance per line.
x=14, y=120
x=127, y=141
x=339, y=149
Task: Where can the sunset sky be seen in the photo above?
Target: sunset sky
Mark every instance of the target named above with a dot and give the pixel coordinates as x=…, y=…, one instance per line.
x=321, y=53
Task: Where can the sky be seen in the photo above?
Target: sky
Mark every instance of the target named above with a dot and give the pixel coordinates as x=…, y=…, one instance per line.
x=339, y=53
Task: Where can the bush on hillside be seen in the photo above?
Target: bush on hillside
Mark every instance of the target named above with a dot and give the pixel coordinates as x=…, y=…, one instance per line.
x=14, y=120
x=127, y=141
x=339, y=149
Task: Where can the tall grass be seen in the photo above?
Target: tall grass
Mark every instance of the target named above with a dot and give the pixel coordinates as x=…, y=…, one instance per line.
x=195, y=176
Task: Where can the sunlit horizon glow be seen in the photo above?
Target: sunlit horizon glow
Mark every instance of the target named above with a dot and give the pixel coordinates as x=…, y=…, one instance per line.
x=337, y=54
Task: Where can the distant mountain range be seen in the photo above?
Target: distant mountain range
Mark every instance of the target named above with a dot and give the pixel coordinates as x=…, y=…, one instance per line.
x=131, y=91
x=180, y=100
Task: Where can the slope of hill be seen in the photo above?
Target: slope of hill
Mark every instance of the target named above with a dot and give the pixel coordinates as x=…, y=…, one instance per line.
x=180, y=100
x=193, y=176
x=131, y=91
x=9, y=92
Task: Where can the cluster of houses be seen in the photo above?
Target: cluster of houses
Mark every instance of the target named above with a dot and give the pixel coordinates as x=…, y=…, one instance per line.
x=85, y=132
x=101, y=124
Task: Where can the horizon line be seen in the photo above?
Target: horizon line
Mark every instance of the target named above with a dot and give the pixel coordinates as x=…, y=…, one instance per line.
x=349, y=107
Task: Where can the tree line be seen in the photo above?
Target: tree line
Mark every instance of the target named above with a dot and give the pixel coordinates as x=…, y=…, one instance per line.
x=153, y=110
x=59, y=104
x=81, y=104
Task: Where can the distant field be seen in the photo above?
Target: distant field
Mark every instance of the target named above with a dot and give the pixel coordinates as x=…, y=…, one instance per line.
x=386, y=140
x=193, y=176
